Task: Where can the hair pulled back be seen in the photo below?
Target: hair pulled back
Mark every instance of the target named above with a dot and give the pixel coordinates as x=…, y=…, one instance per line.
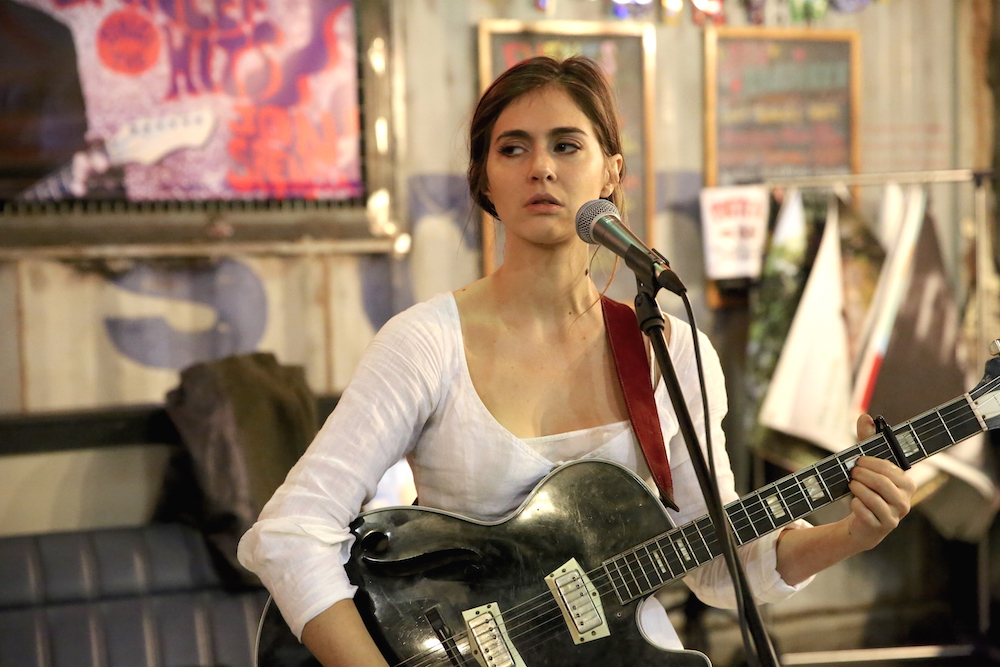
x=579, y=76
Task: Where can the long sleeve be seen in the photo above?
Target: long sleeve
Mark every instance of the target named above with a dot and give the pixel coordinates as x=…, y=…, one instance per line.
x=301, y=541
x=712, y=583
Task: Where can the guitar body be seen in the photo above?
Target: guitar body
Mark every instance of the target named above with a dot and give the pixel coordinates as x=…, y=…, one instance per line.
x=417, y=568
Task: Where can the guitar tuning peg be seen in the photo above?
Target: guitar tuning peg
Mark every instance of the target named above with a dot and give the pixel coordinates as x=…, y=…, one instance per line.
x=995, y=347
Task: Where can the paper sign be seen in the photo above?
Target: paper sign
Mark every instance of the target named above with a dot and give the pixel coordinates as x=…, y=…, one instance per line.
x=734, y=227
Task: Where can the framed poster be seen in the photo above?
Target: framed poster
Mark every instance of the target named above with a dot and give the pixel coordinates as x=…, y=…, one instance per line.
x=155, y=122
x=780, y=103
x=626, y=52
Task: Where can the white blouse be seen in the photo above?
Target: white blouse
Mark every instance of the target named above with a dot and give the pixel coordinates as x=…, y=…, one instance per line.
x=412, y=396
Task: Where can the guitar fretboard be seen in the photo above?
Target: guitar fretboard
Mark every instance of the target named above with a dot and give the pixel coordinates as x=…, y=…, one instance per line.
x=648, y=566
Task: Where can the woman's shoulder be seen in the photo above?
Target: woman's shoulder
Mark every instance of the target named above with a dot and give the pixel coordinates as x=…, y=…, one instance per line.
x=434, y=320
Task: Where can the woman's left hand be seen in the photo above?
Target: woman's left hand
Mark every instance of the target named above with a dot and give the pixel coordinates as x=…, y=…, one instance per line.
x=882, y=494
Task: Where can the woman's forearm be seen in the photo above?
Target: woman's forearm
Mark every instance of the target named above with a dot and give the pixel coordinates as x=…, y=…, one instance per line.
x=338, y=638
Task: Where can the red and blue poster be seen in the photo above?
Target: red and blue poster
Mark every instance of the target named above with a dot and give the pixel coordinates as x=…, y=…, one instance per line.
x=179, y=100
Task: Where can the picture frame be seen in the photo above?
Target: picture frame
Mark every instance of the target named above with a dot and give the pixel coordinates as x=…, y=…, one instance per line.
x=780, y=103
x=627, y=51
x=361, y=218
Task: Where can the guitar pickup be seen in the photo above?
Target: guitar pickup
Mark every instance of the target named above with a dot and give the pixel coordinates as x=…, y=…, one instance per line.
x=579, y=602
x=488, y=636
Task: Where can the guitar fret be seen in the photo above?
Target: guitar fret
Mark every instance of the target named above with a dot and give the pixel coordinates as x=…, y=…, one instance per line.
x=946, y=429
x=621, y=583
x=742, y=533
x=966, y=422
x=794, y=506
x=671, y=555
x=655, y=567
x=833, y=477
x=735, y=516
x=712, y=541
x=910, y=442
x=815, y=488
x=631, y=573
x=645, y=569
x=661, y=566
x=687, y=556
x=930, y=434
x=696, y=542
x=762, y=522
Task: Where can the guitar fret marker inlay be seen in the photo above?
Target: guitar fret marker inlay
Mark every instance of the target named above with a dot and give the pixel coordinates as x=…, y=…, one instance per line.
x=774, y=504
x=682, y=549
x=908, y=442
x=659, y=562
x=814, y=488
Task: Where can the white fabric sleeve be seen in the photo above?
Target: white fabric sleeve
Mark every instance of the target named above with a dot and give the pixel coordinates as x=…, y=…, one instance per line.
x=711, y=582
x=301, y=541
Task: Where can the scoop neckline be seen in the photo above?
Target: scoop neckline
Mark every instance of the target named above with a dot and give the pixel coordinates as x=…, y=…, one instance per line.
x=467, y=377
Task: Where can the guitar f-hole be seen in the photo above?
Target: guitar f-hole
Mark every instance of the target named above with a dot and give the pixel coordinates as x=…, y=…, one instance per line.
x=444, y=635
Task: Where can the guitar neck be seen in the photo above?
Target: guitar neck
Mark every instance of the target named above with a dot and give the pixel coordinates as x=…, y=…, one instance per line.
x=648, y=566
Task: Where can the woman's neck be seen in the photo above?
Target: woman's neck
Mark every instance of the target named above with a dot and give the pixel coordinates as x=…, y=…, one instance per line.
x=545, y=282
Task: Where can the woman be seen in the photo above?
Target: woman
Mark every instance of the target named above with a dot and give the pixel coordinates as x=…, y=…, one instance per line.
x=486, y=390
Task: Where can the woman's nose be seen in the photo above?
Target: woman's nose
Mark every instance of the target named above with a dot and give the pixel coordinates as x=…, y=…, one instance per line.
x=542, y=168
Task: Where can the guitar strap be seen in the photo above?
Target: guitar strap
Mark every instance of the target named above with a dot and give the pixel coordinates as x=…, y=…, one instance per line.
x=632, y=364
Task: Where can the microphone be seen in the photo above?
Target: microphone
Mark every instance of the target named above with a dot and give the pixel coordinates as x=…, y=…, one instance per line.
x=598, y=221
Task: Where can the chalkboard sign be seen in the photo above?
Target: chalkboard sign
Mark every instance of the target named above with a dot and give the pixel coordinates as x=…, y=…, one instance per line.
x=626, y=54
x=779, y=103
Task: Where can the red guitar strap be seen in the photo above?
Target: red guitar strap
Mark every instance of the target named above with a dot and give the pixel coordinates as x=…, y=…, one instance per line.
x=629, y=353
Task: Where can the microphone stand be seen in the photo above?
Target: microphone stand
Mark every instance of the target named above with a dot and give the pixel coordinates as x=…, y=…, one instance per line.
x=652, y=324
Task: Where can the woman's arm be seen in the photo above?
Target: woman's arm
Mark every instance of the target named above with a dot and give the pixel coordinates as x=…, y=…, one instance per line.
x=338, y=638
x=882, y=494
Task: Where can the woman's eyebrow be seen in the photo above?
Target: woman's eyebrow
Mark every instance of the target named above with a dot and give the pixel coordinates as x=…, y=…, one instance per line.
x=554, y=132
x=557, y=131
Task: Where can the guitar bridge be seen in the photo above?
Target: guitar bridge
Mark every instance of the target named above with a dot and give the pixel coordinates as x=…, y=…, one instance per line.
x=491, y=645
x=579, y=601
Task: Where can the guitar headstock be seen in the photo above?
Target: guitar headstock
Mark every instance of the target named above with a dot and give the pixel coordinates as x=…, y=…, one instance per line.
x=148, y=140
x=986, y=394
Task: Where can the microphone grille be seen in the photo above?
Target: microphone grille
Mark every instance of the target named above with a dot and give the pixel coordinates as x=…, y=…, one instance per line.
x=589, y=213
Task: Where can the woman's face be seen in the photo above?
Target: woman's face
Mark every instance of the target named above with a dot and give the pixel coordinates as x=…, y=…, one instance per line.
x=544, y=163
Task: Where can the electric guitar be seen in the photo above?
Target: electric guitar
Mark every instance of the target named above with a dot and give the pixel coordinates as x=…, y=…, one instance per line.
x=559, y=581
x=143, y=141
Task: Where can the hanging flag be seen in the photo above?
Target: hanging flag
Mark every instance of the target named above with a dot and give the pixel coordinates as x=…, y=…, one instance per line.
x=893, y=280
x=772, y=306
x=809, y=394
x=917, y=369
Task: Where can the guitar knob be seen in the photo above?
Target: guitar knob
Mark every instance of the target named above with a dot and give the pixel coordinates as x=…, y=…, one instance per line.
x=375, y=542
x=995, y=348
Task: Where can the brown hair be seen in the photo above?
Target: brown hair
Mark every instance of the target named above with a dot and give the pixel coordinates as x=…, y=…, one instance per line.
x=579, y=76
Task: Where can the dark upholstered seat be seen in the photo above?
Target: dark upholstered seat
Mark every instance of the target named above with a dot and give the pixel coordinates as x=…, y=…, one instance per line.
x=123, y=597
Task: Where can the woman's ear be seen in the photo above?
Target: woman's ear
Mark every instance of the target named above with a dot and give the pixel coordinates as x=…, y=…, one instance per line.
x=614, y=170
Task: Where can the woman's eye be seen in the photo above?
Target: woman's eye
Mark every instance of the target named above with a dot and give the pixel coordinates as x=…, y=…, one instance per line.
x=566, y=147
x=510, y=150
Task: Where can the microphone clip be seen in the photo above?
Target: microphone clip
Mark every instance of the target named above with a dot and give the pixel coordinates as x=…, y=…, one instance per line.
x=656, y=267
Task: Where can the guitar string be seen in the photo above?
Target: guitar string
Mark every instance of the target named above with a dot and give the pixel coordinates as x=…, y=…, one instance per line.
x=605, y=582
